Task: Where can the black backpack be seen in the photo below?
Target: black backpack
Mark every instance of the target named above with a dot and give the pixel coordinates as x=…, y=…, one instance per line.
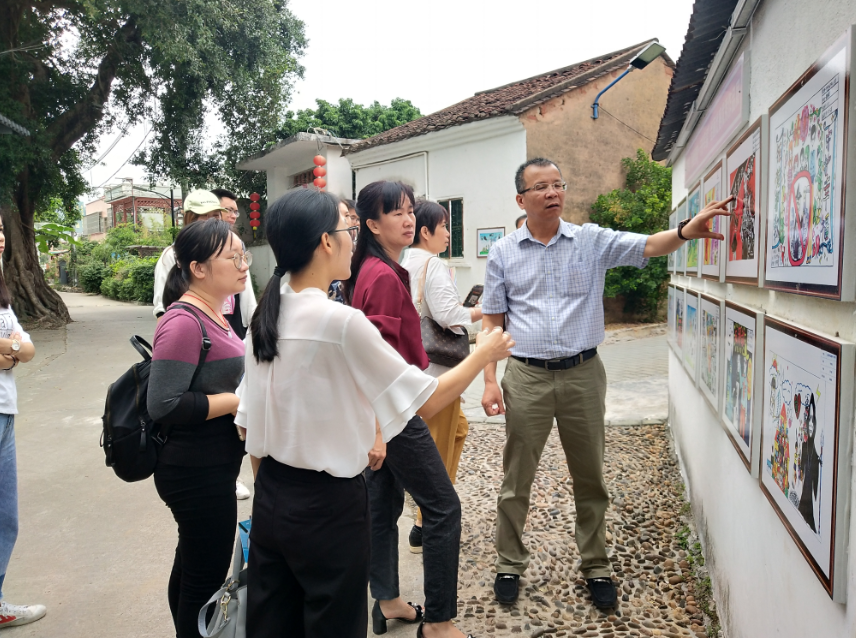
x=131, y=440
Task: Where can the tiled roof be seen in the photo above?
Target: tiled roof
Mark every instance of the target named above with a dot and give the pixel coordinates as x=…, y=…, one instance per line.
x=511, y=99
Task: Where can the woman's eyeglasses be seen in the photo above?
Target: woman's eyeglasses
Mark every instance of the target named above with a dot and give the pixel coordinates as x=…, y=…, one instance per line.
x=352, y=231
x=239, y=257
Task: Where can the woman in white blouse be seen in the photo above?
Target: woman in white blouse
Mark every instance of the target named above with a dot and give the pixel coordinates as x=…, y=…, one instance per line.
x=436, y=295
x=322, y=394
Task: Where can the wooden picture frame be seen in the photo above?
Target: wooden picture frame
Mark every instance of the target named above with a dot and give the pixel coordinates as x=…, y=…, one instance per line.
x=486, y=238
x=806, y=444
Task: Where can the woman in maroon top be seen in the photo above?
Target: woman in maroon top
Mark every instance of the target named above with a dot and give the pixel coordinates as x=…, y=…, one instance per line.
x=380, y=287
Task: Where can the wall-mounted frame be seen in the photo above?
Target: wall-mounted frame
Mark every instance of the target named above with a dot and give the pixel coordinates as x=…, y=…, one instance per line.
x=742, y=385
x=693, y=246
x=487, y=237
x=690, y=340
x=673, y=256
x=808, y=169
x=806, y=444
x=744, y=170
x=711, y=249
x=678, y=321
x=670, y=315
x=710, y=350
x=681, y=266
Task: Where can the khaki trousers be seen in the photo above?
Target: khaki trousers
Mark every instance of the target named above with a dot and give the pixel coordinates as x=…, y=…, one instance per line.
x=576, y=398
x=449, y=429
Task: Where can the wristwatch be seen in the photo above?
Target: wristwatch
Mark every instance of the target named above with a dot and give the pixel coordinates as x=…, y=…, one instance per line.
x=16, y=346
x=681, y=227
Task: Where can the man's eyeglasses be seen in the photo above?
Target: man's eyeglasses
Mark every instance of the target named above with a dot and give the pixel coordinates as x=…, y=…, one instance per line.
x=543, y=188
x=233, y=211
x=352, y=231
x=239, y=257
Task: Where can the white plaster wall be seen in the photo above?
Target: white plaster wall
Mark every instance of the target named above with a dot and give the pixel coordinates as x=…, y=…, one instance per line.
x=475, y=162
x=763, y=584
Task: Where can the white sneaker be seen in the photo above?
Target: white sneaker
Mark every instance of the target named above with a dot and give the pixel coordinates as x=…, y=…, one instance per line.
x=241, y=490
x=14, y=615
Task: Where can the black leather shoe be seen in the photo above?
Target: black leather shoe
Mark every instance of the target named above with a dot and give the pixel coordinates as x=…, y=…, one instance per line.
x=603, y=593
x=506, y=588
x=379, y=620
x=415, y=539
x=419, y=632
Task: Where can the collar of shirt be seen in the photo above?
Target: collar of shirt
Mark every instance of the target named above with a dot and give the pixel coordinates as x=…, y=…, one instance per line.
x=566, y=229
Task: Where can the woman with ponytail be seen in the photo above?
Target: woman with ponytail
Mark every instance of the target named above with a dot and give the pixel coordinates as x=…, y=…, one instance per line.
x=322, y=396
x=200, y=460
x=380, y=287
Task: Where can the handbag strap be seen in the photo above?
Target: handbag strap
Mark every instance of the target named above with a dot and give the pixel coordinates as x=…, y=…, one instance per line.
x=421, y=290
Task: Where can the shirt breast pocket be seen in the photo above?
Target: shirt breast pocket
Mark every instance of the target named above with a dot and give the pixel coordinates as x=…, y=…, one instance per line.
x=577, y=278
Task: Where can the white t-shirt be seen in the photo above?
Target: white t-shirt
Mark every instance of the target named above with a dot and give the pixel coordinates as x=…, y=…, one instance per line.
x=314, y=406
x=8, y=391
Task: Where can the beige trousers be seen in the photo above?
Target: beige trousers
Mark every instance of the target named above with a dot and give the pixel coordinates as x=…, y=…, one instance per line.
x=576, y=398
x=449, y=429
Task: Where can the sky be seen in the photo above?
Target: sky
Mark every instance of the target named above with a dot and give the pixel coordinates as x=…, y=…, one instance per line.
x=438, y=52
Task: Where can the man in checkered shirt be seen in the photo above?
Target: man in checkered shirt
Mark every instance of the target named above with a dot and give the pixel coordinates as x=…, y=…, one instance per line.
x=544, y=283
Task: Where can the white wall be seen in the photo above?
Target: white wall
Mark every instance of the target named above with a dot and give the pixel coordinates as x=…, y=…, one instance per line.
x=475, y=162
x=763, y=584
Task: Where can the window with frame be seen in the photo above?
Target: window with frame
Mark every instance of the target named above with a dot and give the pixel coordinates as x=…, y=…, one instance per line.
x=456, y=228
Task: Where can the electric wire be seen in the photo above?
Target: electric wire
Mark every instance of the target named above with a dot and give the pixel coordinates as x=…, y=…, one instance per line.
x=627, y=125
x=145, y=137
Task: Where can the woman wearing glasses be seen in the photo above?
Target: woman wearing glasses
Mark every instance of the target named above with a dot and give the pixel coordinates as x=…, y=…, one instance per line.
x=200, y=460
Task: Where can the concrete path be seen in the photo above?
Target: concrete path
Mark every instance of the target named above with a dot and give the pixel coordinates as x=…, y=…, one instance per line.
x=97, y=551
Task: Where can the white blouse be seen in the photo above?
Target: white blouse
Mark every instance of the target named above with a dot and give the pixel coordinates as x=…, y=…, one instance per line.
x=314, y=406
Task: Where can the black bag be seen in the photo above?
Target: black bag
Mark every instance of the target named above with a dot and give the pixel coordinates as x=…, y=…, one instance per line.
x=443, y=346
x=131, y=440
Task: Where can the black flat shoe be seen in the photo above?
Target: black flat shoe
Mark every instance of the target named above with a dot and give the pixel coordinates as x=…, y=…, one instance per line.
x=379, y=620
x=415, y=540
x=419, y=632
x=603, y=593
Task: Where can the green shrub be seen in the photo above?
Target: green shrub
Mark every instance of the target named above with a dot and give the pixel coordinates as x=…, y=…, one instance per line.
x=130, y=279
x=91, y=274
x=642, y=207
x=142, y=277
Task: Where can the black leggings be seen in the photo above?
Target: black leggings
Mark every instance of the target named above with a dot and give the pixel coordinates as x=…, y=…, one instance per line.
x=202, y=500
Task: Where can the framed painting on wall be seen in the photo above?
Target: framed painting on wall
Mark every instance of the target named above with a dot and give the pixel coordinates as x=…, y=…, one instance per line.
x=681, y=266
x=805, y=444
x=670, y=323
x=710, y=337
x=711, y=249
x=673, y=257
x=743, y=169
x=807, y=151
x=744, y=340
x=678, y=323
x=487, y=237
x=689, y=345
x=693, y=245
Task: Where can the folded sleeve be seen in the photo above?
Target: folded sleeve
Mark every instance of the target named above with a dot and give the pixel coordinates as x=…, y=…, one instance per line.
x=494, y=300
x=441, y=295
x=394, y=389
x=615, y=248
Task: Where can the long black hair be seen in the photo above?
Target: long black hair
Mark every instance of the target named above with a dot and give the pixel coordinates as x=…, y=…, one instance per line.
x=196, y=242
x=294, y=225
x=428, y=215
x=374, y=199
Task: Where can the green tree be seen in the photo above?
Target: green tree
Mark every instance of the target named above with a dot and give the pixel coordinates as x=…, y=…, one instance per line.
x=641, y=207
x=348, y=119
x=73, y=69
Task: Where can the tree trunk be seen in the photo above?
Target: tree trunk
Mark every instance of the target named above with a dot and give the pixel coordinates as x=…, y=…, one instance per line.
x=32, y=299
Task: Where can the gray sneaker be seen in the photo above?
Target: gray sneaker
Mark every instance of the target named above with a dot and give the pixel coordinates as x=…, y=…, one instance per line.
x=14, y=615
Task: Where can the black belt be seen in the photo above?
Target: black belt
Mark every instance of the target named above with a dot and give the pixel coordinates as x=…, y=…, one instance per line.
x=559, y=364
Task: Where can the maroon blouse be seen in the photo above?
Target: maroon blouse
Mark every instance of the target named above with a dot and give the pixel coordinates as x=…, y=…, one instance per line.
x=383, y=294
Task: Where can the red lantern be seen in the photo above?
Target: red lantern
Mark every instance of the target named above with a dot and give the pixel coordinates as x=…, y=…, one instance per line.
x=254, y=197
x=320, y=182
x=255, y=214
x=319, y=160
x=255, y=206
x=255, y=223
x=319, y=171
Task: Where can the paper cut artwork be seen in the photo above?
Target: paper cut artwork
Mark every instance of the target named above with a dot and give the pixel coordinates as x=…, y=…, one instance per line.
x=743, y=167
x=709, y=334
x=693, y=209
x=689, y=346
x=712, y=192
x=805, y=183
x=740, y=359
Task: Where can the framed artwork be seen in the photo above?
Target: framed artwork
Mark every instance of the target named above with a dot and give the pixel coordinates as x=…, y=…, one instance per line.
x=673, y=257
x=678, y=321
x=805, y=444
x=689, y=345
x=487, y=237
x=693, y=209
x=743, y=228
x=711, y=249
x=681, y=253
x=670, y=318
x=744, y=341
x=808, y=134
x=710, y=338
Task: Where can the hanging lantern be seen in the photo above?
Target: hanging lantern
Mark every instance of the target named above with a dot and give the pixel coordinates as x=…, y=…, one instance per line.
x=255, y=223
x=319, y=171
x=255, y=214
x=320, y=182
x=255, y=206
x=254, y=197
x=319, y=160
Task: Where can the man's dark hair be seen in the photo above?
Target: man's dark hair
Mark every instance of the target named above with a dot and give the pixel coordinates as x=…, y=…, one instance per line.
x=519, y=182
x=522, y=218
x=220, y=193
x=351, y=204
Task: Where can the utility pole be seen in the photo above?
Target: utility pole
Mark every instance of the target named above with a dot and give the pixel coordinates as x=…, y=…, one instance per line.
x=172, y=207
